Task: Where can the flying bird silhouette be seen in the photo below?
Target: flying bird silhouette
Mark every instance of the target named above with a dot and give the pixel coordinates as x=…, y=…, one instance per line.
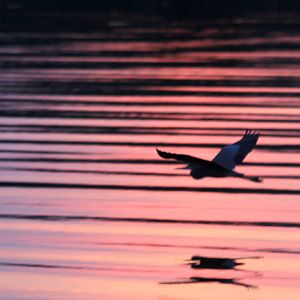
x=223, y=164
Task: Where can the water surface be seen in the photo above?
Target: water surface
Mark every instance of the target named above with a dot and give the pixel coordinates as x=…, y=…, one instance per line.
x=88, y=209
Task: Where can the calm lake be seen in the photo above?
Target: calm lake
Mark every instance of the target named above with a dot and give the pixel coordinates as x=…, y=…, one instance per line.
x=88, y=210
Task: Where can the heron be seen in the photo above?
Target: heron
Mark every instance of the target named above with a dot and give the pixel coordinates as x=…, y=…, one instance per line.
x=223, y=164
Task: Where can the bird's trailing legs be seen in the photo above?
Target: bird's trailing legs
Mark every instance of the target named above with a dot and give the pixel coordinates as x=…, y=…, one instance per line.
x=251, y=178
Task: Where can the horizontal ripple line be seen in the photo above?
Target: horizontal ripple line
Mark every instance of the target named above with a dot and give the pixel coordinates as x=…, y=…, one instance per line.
x=51, y=185
x=130, y=131
x=159, y=245
x=50, y=170
x=68, y=267
x=162, y=103
x=32, y=265
x=140, y=130
x=135, y=115
x=149, y=220
x=293, y=147
x=98, y=85
x=41, y=152
x=130, y=161
x=21, y=62
x=228, y=131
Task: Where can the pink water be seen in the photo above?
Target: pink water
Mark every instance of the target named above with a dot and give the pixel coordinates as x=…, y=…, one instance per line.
x=87, y=208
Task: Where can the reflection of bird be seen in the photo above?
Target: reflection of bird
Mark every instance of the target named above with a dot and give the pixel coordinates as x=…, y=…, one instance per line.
x=233, y=281
x=223, y=164
x=203, y=262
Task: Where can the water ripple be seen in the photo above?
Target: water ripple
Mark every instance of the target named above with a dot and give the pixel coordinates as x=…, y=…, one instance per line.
x=149, y=220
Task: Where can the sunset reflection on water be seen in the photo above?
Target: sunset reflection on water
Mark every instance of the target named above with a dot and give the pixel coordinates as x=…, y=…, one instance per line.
x=88, y=209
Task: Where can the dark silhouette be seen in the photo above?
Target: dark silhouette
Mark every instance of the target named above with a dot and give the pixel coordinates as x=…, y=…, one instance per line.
x=202, y=262
x=223, y=164
x=233, y=281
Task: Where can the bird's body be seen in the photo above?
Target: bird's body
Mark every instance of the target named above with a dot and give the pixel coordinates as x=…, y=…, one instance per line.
x=223, y=164
x=204, y=262
x=201, y=262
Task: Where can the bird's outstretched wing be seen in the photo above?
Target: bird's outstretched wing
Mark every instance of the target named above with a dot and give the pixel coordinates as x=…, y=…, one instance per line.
x=187, y=159
x=234, y=154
